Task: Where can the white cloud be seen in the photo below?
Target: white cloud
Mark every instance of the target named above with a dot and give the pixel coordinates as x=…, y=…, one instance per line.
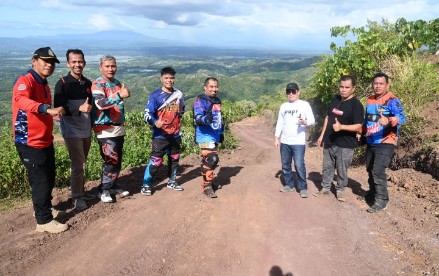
x=280, y=22
x=101, y=22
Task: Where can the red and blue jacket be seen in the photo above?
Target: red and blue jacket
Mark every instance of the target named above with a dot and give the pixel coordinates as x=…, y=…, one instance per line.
x=390, y=106
x=31, y=97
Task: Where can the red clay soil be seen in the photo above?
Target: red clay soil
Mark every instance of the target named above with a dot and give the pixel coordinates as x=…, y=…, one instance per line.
x=250, y=229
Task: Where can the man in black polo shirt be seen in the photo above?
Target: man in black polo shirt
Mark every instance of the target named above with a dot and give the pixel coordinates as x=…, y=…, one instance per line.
x=73, y=92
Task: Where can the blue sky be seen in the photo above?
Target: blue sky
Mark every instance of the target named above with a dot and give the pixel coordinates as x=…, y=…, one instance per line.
x=281, y=24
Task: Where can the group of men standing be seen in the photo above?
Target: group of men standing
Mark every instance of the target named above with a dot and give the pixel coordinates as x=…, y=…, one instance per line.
x=344, y=125
x=81, y=106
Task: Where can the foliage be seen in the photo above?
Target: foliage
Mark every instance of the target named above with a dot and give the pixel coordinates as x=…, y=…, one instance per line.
x=374, y=45
x=390, y=48
x=416, y=83
x=13, y=176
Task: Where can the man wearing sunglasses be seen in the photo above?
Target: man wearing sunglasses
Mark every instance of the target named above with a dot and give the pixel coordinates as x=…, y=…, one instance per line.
x=290, y=136
x=163, y=111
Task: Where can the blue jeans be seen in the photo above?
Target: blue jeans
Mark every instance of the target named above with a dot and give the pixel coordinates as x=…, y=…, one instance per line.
x=296, y=153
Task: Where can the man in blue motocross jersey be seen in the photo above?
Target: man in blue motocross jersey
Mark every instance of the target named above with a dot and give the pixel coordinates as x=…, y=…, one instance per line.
x=383, y=119
x=209, y=132
x=163, y=111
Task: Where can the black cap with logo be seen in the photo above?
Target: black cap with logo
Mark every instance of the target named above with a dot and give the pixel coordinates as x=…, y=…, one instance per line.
x=45, y=53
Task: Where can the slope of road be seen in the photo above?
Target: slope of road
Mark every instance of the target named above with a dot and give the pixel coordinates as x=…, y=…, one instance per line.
x=250, y=229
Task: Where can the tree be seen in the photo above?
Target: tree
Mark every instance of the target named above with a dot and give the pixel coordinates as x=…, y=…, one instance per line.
x=366, y=55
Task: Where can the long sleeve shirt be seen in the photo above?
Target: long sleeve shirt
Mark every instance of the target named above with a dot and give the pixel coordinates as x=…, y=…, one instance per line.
x=169, y=108
x=31, y=97
x=390, y=106
x=287, y=126
x=108, y=109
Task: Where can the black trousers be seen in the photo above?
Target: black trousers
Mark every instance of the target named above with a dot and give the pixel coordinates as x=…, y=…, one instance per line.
x=378, y=158
x=111, y=150
x=41, y=172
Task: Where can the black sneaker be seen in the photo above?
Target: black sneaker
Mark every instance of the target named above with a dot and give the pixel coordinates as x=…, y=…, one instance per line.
x=174, y=186
x=210, y=193
x=146, y=190
x=376, y=208
x=216, y=186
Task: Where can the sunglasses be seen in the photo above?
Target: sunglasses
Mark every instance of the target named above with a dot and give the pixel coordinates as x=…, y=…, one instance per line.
x=294, y=92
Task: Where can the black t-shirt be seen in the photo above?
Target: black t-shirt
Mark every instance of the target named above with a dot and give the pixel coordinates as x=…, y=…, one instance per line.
x=349, y=112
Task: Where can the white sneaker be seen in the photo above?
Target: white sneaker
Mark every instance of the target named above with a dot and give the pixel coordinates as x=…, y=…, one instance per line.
x=105, y=196
x=120, y=192
x=52, y=227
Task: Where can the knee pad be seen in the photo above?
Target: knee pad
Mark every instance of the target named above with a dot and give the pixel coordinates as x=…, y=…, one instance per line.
x=155, y=163
x=210, y=160
x=175, y=156
x=208, y=175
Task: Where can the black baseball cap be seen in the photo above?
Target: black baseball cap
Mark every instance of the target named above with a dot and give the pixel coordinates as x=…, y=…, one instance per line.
x=45, y=53
x=292, y=87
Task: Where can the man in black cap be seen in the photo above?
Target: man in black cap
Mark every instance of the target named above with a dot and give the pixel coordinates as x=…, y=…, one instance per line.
x=32, y=118
x=290, y=136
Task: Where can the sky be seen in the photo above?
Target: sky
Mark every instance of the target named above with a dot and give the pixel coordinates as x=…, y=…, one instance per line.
x=267, y=24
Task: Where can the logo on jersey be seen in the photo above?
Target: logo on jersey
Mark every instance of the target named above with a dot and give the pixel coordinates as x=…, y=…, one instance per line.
x=22, y=87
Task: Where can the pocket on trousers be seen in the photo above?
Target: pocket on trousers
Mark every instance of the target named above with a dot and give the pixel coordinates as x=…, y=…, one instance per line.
x=386, y=159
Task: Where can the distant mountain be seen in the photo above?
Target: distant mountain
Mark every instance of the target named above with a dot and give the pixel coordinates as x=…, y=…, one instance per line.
x=129, y=42
x=109, y=40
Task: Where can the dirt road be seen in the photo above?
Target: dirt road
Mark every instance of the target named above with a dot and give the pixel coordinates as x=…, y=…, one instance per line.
x=250, y=229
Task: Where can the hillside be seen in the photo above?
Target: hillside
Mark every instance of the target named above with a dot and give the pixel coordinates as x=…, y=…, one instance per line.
x=243, y=74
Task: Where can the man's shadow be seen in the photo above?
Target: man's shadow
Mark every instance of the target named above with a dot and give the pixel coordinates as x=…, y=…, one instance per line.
x=277, y=271
x=316, y=179
x=225, y=174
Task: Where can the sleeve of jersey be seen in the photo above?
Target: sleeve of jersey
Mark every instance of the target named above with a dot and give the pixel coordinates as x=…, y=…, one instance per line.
x=182, y=106
x=280, y=122
x=100, y=98
x=22, y=94
x=198, y=111
x=150, y=110
x=398, y=112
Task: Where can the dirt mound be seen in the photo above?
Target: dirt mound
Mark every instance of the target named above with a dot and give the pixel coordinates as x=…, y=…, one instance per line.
x=421, y=152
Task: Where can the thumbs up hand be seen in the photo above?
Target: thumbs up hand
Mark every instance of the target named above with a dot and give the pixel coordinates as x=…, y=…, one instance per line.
x=337, y=126
x=384, y=121
x=85, y=107
x=124, y=92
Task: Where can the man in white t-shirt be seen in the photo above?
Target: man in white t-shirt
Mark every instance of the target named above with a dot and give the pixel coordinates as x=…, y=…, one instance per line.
x=290, y=136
